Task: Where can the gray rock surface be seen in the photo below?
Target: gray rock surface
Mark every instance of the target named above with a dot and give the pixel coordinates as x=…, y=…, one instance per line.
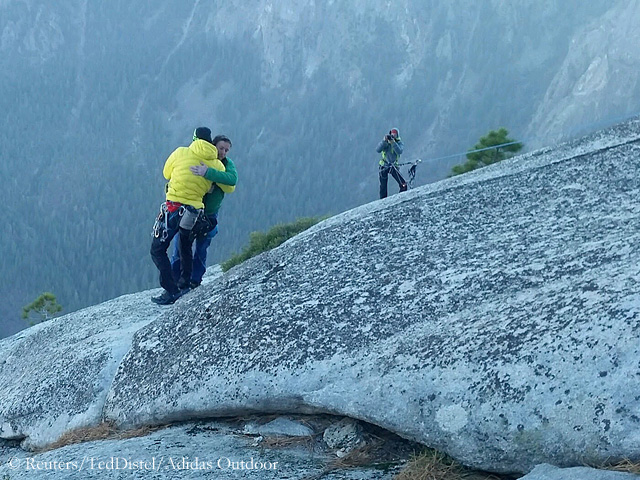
x=280, y=427
x=493, y=317
x=190, y=451
x=55, y=375
x=344, y=436
x=549, y=472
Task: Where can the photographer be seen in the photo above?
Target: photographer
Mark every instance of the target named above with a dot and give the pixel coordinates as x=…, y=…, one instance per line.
x=391, y=147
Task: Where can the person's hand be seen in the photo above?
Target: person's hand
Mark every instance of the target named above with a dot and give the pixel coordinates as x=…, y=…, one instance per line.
x=199, y=170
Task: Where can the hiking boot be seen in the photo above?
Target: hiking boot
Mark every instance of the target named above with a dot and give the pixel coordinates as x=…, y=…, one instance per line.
x=166, y=298
x=184, y=287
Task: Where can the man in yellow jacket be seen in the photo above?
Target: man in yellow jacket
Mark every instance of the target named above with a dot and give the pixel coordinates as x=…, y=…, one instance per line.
x=179, y=213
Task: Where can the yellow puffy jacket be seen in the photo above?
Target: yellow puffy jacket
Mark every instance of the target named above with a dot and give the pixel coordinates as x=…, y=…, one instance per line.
x=184, y=186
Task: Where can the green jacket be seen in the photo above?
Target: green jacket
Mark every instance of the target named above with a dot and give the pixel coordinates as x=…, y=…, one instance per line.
x=213, y=199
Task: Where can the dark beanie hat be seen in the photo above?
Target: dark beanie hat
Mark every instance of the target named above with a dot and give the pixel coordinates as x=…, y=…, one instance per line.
x=202, y=133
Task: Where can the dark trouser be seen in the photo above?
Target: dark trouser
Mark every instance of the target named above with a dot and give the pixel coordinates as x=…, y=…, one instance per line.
x=199, y=255
x=159, y=255
x=384, y=177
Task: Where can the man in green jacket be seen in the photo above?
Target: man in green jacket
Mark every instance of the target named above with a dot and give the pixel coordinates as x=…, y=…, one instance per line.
x=212, y=201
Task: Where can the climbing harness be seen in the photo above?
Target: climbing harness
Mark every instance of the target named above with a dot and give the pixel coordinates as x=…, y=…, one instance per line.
x=189, y=216
x=203, y=226
x=160, y=225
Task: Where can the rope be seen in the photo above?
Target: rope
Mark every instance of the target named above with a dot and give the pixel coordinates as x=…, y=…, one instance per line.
x=473, y=151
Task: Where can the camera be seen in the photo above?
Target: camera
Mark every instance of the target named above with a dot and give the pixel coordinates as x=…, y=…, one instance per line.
x=388, y=138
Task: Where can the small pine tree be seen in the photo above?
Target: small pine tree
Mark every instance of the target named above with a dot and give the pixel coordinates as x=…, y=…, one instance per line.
x=488, y=155
x=262, y=241
x=45, y=307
